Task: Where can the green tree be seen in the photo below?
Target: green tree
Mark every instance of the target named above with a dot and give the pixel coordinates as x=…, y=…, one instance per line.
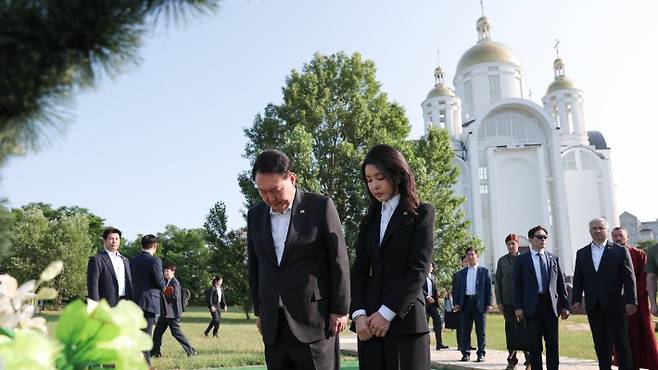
x=6, y=233
x=39, y=241
x=332, y=113
x=646, y=244
x=188, y=250
x=229, y=257
x=53, y=49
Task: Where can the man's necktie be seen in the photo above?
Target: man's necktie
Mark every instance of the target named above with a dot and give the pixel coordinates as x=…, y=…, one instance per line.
x=544, y=273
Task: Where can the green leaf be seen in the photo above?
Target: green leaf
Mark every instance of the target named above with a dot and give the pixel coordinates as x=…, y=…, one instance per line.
x=7, y=332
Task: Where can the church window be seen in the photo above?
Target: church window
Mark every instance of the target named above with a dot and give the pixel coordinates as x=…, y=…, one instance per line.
x=483, y=174
x=587, y=161
x=442, y=117
x=569, y=161
x=484, y=188
x=570, y=119
x=494, y=69
x=494, y=88
x=468, y=99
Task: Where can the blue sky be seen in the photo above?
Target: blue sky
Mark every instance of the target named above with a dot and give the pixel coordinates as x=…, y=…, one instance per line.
x=163, y=141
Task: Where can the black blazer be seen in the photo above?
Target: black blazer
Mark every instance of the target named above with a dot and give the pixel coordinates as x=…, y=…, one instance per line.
x=313, y=277
x=612, y=286
x=393, y=274
x=172, y=307
x=213, y=299
x=148, y=281
x=454, y=286
x=482, y=288
x=526, y=287
x=102, y=281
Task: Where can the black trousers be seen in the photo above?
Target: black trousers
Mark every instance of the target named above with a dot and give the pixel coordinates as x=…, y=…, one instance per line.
x=470, y=314
x=288, y=353
x=547, y=323
x=215, y=320
x=395, y=352
x=437, y=324
x=510, y=318
x=176, y=332
x=610, y=327
x=150, y=321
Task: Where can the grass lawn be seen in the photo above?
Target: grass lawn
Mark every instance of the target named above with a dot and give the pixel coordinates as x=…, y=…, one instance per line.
x=239, y=343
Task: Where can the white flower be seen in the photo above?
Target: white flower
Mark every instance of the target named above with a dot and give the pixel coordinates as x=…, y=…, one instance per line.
x=8, y=286
x=54, y=269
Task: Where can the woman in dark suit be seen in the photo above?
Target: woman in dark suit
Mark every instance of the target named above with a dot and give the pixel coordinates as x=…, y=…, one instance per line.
x=216, y=303
x=393, y=255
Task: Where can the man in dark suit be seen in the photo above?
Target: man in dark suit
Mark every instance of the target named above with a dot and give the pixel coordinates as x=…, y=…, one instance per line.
x=172, y=310
x=298, y=269
x=473, y=301
x=540, y=295
x=216, y=303
x=149, y=283
x=604, y=272
x=432, y=307
x=108, y=272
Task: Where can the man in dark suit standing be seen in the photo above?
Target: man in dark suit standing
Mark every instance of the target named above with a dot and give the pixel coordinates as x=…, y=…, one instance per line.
x=108, y=272
x=473, y=301
x=172, y=310
x=604, y=272
x=298, y=269
x=149, y=283
x=432, y=307
x=540, y=296
x=216, y=303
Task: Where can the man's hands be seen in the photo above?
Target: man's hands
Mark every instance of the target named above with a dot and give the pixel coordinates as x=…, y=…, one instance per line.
x=430, y=300
x=456, y=308
x=337, y=323
x=378, y=324
x=213, y=309
x=258, y=325
x=630, y=309
x=519, y=314
x=488, y=309
x=362, y=329
x=565, y=314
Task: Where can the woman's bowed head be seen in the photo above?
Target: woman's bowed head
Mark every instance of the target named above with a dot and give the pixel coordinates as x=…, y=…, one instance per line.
x=386, y=174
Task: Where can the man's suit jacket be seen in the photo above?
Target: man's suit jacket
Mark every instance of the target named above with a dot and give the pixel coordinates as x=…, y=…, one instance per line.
x=102, y=280
x=213, y=299
x=312, y=280
x=612, y=286
x=392, y=273
x=172, y=306
x=526, y=287
x=148, y=281
x=434, y=289
x=482, y=288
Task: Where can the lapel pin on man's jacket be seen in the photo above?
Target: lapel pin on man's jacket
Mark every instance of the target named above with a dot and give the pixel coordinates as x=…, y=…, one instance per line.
x=405, y=213
x=301, y=211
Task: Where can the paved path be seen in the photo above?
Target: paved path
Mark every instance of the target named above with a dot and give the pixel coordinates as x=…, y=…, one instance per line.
x=449, y=359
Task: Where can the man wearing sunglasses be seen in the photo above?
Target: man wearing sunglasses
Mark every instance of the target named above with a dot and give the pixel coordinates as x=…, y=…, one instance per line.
x=540, y=297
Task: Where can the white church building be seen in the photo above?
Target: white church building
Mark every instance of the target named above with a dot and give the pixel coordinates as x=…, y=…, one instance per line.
x=521, y=164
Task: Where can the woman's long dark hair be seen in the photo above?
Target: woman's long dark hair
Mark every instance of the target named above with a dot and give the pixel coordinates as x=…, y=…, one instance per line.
x=396, y=170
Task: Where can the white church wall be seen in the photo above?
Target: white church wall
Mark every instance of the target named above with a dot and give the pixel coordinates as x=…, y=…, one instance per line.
x=518, y=193
x=583, y=202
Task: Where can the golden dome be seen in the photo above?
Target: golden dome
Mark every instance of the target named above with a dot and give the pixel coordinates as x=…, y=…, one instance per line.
x=440, y=90
x=487, y=51
x=561, y=83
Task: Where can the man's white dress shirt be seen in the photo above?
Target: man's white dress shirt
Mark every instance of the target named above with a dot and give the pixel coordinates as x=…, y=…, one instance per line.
x=119, y=271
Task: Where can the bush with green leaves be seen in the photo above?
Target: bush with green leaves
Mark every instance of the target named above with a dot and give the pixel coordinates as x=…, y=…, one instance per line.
x=87, y=336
